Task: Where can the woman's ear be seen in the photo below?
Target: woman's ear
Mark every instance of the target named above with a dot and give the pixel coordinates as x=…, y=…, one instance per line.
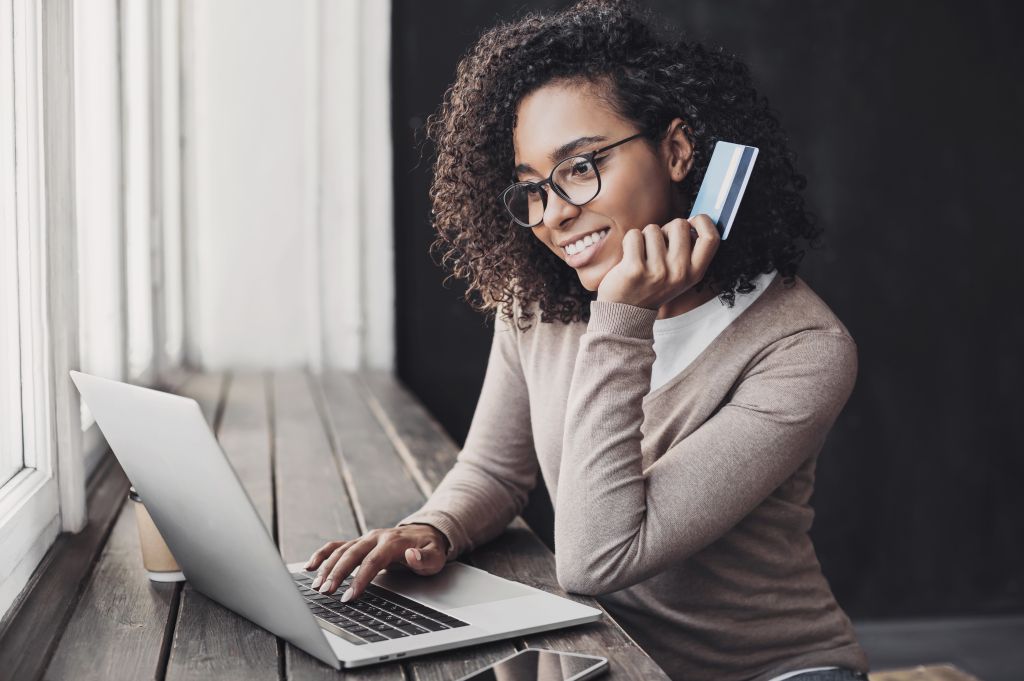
x=679, y=149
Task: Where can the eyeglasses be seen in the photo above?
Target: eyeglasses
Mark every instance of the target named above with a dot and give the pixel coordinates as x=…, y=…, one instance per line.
x=576, y=179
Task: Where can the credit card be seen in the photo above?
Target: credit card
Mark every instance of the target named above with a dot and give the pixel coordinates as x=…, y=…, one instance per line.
x=724, y=183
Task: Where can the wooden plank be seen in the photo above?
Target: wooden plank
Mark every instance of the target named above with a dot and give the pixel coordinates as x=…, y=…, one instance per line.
x=384, y=491
x=210, y=640
x=123, y=622
x=518, y=554
x=118, y=628
x=208, y=389
x=34, y=626
x=313, y=506
x=413, y=429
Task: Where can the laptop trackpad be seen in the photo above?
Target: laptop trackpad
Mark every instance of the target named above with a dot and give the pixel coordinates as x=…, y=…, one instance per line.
x=456, y=586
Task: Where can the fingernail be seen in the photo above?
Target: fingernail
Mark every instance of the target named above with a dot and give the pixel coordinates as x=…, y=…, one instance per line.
x=347, y=595
x=326, y=587
x=316, y=582
x=417, y=555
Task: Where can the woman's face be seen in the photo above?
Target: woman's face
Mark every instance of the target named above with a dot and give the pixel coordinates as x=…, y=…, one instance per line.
x=636, y=180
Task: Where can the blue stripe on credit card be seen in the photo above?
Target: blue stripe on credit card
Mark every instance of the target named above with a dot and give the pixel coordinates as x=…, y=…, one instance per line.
x=724, y=184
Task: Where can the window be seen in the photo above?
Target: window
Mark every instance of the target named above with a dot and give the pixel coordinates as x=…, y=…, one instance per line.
x=29, y=494
x=98, y=205
x=90, y=252
x=101, y=209
x=11, y=448
x=139, y=215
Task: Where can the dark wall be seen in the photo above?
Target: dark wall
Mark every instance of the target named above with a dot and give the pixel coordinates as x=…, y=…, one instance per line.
x=906, y=118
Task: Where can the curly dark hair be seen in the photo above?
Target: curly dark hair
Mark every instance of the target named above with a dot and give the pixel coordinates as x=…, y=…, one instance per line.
x=646, y=80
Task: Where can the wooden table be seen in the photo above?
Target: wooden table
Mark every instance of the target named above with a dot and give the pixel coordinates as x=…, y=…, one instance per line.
x=323, y=457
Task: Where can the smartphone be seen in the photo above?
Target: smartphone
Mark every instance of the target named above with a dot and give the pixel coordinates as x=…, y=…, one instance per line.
x=538, y=664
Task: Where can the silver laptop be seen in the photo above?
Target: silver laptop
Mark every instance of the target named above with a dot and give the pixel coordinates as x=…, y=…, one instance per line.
x=169, y=453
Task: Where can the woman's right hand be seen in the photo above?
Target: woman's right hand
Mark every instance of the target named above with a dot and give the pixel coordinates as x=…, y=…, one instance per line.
x=421, y=548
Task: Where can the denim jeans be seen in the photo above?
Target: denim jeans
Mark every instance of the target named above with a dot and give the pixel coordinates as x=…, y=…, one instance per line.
x=841, y=674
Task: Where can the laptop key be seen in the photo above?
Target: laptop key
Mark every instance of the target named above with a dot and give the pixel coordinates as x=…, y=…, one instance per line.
x=394, y=633
x=431, y=625
x=412, y=629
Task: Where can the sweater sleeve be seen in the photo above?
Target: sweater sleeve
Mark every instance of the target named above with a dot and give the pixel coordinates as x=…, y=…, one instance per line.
x=617, y=524
x=497, y=467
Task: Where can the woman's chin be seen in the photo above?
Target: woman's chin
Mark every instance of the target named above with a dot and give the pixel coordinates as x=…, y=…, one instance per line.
x=591, y=280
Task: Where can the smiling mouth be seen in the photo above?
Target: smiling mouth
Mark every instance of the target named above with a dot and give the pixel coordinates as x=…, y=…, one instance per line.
x=581, y=245
x=581, y=252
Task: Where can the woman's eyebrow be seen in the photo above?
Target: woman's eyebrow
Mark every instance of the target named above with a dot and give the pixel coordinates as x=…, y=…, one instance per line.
x=567, y=149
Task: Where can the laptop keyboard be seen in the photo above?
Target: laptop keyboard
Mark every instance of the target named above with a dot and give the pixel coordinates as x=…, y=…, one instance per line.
x=378, y=615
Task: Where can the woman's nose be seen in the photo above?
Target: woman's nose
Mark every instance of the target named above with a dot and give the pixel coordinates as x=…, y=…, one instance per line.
x=558, y=210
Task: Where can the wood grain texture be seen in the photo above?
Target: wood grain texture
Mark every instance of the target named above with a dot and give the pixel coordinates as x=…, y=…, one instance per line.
x=117, y=630
x=384, y=489
x=405, y=418
x=210, y=640
x=386, y=492
x=34, y=627
x=313, y=506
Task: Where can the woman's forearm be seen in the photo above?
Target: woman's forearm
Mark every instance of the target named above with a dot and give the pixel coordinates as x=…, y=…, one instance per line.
x=616, y=523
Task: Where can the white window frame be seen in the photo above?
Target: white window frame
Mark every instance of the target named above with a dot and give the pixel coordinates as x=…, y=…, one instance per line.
x=141, y=220
x=12, y=447
x=99, y=203
x=36, y=504
x=169, y=308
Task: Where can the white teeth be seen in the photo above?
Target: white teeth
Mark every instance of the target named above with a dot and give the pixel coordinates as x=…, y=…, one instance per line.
x=585, y=242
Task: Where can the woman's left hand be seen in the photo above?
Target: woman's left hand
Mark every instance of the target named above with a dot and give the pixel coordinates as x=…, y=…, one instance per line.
x=650, y=273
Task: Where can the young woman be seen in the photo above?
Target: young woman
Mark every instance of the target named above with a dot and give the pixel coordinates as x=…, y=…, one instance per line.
x=678, y=388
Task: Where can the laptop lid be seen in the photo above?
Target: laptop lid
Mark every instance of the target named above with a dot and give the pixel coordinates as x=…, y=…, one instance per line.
x=171, y=456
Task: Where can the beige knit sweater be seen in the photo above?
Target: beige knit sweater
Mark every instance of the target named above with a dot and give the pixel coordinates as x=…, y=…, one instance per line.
x=685, y=510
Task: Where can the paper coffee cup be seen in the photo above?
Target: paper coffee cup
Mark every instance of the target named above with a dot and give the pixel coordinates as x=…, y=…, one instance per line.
x=156, y=557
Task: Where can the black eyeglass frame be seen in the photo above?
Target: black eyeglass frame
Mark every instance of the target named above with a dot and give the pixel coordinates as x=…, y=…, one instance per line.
x=558, y=190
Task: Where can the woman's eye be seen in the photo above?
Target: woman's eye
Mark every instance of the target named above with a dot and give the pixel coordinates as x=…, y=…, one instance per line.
x=582, y=168
x=586, y=166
